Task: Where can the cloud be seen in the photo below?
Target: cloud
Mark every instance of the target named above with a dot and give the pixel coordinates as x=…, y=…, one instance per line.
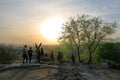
x=24, y=10
x=17, y=16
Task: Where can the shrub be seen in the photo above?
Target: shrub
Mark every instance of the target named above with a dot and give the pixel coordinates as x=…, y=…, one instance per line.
x=109, y=51
x=6, y=54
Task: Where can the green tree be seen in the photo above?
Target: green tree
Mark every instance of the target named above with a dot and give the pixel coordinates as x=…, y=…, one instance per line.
x=88, y=31
x=70, y=35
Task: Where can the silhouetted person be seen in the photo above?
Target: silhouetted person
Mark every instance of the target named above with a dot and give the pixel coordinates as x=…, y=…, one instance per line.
x=38, y=51
x=73, y=56
x=30, y=51
x=38, y=55
x=42, y=51
x=52, y=56
x=25, y=54
x=60, y=57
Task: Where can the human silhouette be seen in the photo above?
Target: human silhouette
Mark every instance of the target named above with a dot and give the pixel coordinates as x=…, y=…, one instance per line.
x=73, y=56
x=42, y=51
x=52, y=56
x=25, y=54
x=38, y=51
x=38, y=55
x=60, y=57
x=30, y=51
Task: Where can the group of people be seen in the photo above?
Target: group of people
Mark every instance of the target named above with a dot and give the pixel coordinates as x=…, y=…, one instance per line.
x=28, y=54
x=60, y=57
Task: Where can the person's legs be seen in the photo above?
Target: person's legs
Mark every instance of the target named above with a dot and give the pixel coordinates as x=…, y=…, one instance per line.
x=30, y=59
x=23, y=59
x=61, y=61
x=26, y=58
x=38, y=59
x=73, y=60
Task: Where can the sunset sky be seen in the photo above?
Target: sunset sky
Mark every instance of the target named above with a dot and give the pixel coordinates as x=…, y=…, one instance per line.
x=30, y=21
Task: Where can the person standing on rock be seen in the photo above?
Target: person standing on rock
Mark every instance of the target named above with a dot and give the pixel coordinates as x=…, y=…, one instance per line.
x=25, y=54
x=73, y=56
x=30, y=51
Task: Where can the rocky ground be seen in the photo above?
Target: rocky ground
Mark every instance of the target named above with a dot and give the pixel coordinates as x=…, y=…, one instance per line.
x=65, y=71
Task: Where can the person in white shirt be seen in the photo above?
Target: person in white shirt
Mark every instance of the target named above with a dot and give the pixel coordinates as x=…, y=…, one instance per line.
x=25, y=54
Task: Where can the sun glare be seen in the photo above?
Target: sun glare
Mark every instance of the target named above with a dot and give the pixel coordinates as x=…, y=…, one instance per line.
x=51, y=28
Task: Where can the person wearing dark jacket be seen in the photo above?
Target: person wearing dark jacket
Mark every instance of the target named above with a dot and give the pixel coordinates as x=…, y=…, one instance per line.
x=30, y=51
x=73, y=56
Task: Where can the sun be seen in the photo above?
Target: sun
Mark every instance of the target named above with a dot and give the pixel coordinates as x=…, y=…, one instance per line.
x=51, y=28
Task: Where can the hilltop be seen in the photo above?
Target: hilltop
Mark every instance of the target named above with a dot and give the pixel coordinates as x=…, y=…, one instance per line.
x=49, y=71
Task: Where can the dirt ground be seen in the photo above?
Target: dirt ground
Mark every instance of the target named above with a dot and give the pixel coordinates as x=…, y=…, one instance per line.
x=59, y=72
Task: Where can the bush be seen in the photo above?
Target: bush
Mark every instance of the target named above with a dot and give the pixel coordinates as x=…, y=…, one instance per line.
x=109, y=51
x=6, y=54
x=95, y=58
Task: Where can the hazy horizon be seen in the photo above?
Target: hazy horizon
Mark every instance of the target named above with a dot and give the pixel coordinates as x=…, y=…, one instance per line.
x=21, y=20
